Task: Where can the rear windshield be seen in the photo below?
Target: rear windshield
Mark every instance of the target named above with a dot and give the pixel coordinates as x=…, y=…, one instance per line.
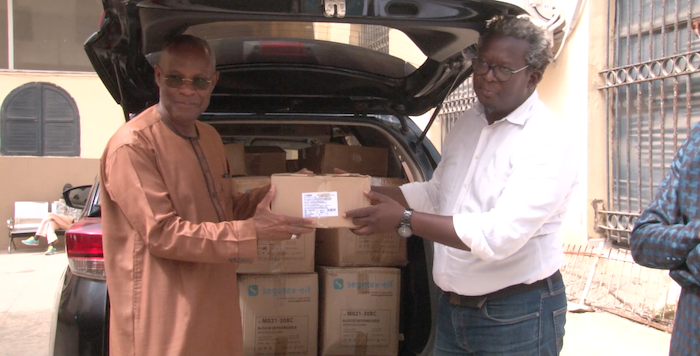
x=371, y=37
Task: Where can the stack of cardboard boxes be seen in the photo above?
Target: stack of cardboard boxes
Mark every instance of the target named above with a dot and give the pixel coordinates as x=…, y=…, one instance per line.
x=328, y=293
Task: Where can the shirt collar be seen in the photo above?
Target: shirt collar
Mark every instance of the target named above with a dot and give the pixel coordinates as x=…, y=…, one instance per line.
x=517, y=116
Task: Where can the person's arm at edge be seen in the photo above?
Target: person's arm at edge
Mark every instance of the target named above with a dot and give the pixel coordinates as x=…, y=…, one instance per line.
x=659, y=238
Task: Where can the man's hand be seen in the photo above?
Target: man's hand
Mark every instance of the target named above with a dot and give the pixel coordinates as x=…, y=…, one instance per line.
x=383, y=216
x=273, y=227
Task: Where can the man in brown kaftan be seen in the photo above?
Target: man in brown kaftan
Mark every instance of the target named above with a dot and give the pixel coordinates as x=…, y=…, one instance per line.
x=173, y=234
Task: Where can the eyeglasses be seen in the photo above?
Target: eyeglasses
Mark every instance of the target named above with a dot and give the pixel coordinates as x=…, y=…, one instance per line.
x=501, y=73
x=176, y=81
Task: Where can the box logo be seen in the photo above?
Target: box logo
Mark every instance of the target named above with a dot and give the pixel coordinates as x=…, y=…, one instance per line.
x=253, y=290
x=338, y=283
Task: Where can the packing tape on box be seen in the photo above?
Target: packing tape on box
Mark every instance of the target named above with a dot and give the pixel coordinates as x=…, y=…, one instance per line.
x=363, y=283
x=360, y=344
x=281, y=343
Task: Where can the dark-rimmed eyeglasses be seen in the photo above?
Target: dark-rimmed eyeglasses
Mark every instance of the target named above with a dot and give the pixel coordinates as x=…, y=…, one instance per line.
x=501, y=73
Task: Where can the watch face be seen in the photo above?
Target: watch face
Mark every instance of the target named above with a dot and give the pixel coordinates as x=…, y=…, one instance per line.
x=405, y=231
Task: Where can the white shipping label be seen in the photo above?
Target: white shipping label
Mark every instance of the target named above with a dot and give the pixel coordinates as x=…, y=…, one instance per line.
x=318, y=205
x=291, y=331
x=375, y=325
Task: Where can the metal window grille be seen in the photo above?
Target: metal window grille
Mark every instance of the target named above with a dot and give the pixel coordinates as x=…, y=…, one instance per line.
x=652, y=89
x=455, y=105
x=375, y=38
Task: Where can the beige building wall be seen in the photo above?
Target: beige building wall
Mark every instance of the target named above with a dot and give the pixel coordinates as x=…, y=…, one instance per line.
x=569, y=88
x=42, y=178
x=39, y=179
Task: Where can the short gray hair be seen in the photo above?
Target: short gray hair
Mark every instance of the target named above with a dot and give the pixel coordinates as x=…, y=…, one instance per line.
x=189, y=41
x=540, y=53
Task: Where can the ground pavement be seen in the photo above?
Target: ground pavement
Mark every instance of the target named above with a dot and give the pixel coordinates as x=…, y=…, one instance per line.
x=29, y=282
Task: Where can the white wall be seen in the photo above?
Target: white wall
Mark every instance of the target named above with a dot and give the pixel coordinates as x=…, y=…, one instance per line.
x=564, y=89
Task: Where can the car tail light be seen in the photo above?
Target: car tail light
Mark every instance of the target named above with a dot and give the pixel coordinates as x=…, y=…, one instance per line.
x=278, y=48
x=84, y=250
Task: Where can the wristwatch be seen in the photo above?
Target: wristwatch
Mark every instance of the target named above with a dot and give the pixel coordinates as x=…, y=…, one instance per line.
x=404, y=228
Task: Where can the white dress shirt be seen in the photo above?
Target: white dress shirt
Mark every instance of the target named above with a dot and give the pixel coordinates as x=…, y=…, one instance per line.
x=506, y=186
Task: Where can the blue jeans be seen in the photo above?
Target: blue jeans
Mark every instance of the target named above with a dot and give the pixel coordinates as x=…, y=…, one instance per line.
x=528, y=324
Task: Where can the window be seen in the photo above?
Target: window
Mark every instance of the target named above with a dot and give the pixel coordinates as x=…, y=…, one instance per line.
x=39, y=119
x=653, y=91
x=3, y=35
x=48, y=36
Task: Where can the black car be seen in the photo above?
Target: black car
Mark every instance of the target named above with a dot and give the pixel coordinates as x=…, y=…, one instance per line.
x=294, y=74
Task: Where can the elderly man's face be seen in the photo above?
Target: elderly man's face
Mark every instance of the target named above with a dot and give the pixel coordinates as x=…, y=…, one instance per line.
x=501, y=98
x=181, y=74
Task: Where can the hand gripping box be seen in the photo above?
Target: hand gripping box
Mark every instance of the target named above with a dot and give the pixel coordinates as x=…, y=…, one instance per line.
x=324, y=197
x=342, y=248
x=288, y=256
x=279, y=314
x=359, y=311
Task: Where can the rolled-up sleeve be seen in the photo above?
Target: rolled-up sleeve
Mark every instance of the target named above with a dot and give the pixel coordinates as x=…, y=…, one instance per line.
x=543, y=174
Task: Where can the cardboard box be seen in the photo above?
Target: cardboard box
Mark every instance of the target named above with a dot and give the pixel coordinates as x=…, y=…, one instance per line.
x=265, y=160
x=388, y=181
x=372, y=161
x=288, y=256
x=279, y=314
x=359, y=311
x=236, y=158
x=342, y=248
x=242, y=185
x=323, y=197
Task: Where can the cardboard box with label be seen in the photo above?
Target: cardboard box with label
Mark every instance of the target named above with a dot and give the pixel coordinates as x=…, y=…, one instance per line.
x=235, y=153
x=371, y=161
x=359, y=311
x=279, y=314
x=265, y=160
x=342, y=248
x=288, y=256
x=324, y=197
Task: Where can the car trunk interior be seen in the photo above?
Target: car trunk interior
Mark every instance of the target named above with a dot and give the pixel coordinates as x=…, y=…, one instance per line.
x=293, y=134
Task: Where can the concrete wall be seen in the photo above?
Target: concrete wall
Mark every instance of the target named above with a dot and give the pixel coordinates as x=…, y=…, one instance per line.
x=39, y=179
x=566, y=88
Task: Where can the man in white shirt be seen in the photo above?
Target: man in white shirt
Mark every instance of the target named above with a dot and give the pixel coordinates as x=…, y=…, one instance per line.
x=494, y=206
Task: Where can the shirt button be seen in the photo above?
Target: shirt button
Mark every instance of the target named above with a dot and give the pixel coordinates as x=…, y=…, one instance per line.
x=476, y=157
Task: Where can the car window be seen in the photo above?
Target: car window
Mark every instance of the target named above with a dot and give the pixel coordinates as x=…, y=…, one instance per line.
x=373, y=37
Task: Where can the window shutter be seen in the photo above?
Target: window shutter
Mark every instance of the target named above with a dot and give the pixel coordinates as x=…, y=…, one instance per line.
x=39, y=119
x=21, y=122
x=61, y=129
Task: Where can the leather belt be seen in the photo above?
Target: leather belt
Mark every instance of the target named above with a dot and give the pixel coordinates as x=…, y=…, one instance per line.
x=479, y=300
